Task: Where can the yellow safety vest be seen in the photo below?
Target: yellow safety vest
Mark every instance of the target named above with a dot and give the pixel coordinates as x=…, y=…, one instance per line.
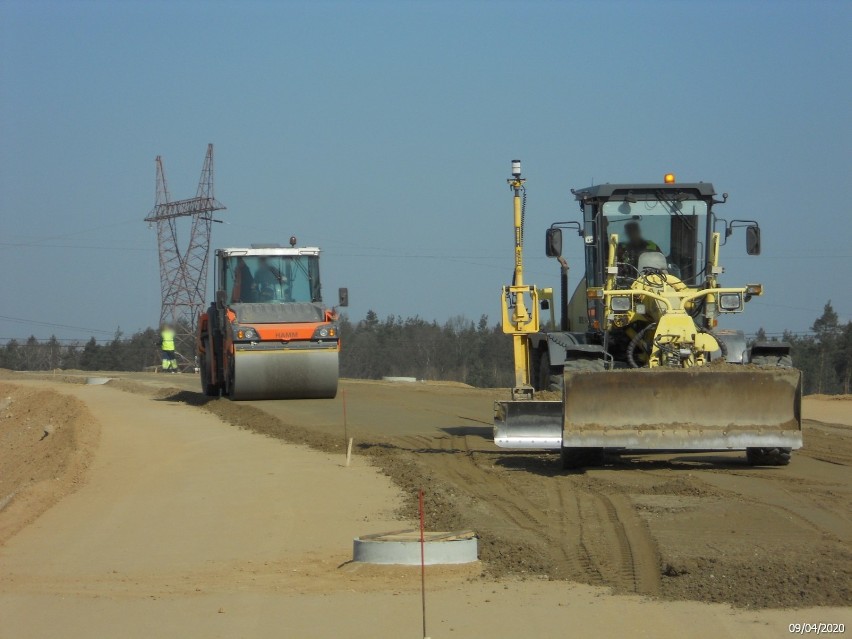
x=167, y=340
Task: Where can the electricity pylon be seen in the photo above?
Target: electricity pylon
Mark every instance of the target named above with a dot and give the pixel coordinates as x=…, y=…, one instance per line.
x=183, y=274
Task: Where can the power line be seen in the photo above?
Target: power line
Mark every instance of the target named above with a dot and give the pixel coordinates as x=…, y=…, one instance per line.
x=22, y=320
x=77, y=246
x=61, y=340
x=64, y=235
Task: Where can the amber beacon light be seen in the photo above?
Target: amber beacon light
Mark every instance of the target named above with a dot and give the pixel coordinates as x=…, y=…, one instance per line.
x=669, y=178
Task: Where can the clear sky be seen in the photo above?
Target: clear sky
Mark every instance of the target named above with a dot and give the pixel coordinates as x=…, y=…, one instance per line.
x=383, y=132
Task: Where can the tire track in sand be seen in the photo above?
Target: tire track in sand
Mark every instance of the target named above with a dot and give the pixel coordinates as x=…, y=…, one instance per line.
x=585, y=535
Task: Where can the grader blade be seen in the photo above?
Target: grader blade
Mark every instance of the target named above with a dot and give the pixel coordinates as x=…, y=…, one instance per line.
x=724, y=407
x=528, y=424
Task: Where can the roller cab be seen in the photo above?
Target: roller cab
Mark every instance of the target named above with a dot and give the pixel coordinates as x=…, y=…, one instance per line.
x=268, y=335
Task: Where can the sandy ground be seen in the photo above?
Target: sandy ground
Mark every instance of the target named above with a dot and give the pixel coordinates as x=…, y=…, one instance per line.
x=703, y=526
x=188, y=527
x=46, y=444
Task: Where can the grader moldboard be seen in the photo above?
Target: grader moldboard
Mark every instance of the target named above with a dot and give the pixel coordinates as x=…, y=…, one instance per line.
x=637, y=357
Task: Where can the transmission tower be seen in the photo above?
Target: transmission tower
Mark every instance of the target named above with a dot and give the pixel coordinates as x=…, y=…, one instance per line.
x=183, y=274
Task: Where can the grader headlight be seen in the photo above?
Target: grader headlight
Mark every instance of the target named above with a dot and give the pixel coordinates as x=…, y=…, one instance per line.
x=620, y=303
x=730, y=302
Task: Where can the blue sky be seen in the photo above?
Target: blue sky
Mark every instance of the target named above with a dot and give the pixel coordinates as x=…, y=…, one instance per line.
x=383, y=132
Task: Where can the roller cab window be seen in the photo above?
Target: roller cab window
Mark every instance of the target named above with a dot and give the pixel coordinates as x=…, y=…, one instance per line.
x=272, y=279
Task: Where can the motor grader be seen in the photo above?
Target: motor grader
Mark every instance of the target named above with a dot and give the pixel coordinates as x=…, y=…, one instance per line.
x=637, y=360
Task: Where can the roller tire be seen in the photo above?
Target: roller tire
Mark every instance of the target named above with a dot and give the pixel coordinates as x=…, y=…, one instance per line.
x=768, y=456
x=774, y=361
x=549, y=377
x=207, y=386
x=228, y=387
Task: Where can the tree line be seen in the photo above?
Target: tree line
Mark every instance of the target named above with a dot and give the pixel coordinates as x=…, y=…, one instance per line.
x=136, y=353
x=458, y=350
x=461, y=350
x=824, y=356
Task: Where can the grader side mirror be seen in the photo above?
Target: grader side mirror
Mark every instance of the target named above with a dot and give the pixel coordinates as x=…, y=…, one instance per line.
x=753, y=240
x=343, y=297
x=221, y=298
x=553, y=243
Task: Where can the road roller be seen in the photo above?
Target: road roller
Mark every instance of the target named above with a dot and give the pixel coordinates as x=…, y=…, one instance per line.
x=637, y=360
x=267, y=334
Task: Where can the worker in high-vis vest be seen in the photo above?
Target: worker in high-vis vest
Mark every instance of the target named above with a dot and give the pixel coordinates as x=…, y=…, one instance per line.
x=167, y=345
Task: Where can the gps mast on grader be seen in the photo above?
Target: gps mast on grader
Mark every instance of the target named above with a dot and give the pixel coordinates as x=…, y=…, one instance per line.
x=637, y=360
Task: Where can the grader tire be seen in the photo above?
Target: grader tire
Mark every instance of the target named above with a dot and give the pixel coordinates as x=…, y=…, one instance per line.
x=576, y=458
x=776, y=361
x=573, y=458
x=768, y=456
x=590, y=365
x=549, y=377
x=535, y=369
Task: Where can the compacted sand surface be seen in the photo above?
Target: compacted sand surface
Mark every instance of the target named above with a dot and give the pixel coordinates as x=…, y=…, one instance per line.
x=147, y=510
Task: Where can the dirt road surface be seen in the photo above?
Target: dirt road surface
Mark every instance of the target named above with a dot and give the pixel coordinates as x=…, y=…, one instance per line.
x=704, y=527
x=187, y=526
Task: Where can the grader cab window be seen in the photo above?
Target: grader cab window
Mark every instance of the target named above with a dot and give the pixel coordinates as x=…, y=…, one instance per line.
x=272, y=279
x=674, y=228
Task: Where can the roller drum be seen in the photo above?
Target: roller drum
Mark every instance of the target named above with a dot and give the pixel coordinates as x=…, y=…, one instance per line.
x=285, y=374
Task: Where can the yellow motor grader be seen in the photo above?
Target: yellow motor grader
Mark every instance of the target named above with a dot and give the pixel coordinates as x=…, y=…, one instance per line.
x=637, y=360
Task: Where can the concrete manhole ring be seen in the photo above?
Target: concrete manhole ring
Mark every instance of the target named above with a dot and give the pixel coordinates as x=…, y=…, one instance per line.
x=402, y=547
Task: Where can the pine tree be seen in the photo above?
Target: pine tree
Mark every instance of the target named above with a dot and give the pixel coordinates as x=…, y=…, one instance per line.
x=826, y=330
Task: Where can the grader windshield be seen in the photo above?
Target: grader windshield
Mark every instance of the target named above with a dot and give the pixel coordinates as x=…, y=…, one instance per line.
x=272, y=278
x=675, y=228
